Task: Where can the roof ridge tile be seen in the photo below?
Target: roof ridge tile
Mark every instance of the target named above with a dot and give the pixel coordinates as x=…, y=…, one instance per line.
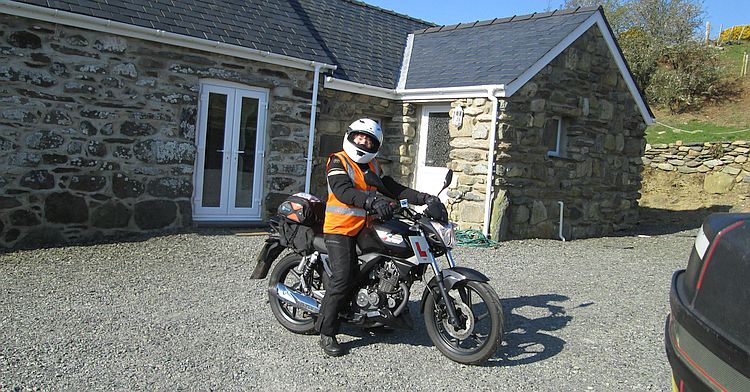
x=514, y=18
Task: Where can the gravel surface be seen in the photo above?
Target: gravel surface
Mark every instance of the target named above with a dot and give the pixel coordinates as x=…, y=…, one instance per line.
x=180, y=312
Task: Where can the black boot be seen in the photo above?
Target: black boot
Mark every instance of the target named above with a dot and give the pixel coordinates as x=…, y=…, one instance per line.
x=330, y=346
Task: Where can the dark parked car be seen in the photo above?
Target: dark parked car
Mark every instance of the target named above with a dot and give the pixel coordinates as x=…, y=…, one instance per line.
x=707, y=334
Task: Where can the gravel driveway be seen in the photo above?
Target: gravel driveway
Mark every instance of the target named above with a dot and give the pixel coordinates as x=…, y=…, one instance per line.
x=180, y=312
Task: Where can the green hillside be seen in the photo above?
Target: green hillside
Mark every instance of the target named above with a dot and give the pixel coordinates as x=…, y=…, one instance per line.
x=724, y=121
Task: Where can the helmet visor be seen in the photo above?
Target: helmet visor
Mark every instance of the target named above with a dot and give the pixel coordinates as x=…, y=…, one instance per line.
x=364, y=141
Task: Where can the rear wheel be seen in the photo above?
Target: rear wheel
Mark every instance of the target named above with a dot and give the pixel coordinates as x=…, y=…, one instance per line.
x=480, y=329
x=286, y=273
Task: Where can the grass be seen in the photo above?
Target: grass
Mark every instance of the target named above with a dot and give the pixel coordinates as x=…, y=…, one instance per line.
x=693, y=131
x=732, y=54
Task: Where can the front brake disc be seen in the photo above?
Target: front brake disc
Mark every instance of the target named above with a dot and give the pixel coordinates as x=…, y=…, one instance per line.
x=461, y=333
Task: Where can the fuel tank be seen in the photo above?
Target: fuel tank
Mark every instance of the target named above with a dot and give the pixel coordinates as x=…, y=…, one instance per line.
x=390, y=238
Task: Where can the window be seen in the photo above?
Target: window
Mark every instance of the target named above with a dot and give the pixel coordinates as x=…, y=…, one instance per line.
x=553, y=137
x=438, y=140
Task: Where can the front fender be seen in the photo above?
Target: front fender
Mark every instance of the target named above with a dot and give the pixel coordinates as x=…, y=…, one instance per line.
x=452, y=276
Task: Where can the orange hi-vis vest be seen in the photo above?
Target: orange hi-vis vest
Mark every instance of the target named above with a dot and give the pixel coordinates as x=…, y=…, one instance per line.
x=343, y=218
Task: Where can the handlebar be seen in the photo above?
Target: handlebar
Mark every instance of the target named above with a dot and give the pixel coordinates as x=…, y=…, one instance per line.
x=399, y=211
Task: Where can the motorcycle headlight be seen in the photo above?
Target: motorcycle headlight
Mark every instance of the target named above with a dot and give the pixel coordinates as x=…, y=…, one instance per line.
x=446, y=231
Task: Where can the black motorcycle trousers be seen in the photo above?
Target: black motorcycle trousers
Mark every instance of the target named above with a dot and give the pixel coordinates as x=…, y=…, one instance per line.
x=342, y=258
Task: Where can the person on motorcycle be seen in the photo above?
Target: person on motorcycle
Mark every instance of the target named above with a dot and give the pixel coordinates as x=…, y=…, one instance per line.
x=349, y=201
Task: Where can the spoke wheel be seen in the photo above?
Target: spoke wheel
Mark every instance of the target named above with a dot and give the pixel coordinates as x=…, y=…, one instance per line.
x=480, y=329
x=293, y=319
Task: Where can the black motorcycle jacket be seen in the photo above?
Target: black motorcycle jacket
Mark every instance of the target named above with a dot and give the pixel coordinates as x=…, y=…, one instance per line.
x=342, y=187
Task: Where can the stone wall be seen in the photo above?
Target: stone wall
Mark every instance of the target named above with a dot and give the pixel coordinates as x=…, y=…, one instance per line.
x=598, y=178
x=97, y=132
x=469, y=154
x=722, y=164
x=338, y=109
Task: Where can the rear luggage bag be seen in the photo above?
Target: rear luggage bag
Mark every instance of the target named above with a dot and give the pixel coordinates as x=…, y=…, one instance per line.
x=300, y=218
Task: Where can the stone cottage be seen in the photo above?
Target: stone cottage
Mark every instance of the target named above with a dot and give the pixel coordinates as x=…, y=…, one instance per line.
x=120, y=117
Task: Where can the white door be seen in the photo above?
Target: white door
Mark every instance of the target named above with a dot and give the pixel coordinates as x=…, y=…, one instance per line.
x=434, y=147
x=231, y=146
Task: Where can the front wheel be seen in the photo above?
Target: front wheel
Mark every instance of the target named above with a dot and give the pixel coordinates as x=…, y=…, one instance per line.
x=480, y=328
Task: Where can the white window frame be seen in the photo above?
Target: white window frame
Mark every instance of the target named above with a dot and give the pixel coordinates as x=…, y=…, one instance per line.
x=227, y=211
x=429, y=179
x=557, y=152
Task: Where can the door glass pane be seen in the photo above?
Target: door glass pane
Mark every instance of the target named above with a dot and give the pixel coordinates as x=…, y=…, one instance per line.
x=246, y=156
x=438, y=140
x=217, y=109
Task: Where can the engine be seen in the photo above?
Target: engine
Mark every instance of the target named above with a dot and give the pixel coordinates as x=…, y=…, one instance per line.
x=382, y=289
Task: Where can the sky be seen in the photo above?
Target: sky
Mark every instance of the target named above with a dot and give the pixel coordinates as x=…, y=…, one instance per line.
x=718, y=12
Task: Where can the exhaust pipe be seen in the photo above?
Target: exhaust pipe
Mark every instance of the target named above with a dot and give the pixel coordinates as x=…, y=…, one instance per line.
x=294, y=298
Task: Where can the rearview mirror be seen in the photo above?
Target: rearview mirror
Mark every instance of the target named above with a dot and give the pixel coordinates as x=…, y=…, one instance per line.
x=448, y=180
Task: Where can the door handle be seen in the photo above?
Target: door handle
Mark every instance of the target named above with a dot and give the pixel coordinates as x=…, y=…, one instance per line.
x=240, y=152
x=221, y=151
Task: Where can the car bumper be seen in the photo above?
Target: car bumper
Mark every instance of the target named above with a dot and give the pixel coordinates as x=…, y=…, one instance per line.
x=701, y=358
x=684, y=378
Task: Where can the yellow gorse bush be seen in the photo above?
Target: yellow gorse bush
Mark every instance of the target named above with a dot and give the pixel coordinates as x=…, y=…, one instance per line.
x=734, y=33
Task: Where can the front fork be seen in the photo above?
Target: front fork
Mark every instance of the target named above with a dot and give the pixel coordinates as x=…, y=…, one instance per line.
x=452, y=315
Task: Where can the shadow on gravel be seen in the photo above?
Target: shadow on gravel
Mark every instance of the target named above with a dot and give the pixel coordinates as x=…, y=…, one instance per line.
x=525, y=341
x=657, y=221
x=526, y=321
x=414, y=337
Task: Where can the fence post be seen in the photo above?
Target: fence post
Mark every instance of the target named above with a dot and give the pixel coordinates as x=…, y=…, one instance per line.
x=708, y=32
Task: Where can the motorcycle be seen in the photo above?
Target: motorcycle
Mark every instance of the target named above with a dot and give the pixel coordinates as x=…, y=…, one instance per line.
x=463, y=314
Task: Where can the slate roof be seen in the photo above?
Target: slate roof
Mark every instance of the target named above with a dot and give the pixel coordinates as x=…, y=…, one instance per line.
x=488, y=52
x=365, y=42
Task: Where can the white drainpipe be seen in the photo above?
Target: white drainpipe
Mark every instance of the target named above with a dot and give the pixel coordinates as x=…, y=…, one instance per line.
x=311, y=137
x=561, y=221
x=490, y=162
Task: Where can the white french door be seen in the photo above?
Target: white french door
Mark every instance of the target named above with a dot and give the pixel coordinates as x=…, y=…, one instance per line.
x=231, y=147
x=434, y=148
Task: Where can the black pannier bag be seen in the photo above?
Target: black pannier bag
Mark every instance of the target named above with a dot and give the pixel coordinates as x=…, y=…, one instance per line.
x=300, y=217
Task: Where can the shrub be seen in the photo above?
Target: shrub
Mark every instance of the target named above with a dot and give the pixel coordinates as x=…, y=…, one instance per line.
x=680, y=77
x=642, y=54
x=735, y=33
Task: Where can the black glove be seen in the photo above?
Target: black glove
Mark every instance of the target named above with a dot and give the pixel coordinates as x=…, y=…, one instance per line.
x=382, y=207
x=429, y=200
x=435, y=209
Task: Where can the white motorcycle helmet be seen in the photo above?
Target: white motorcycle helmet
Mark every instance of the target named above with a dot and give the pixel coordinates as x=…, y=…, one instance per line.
x=358, y=152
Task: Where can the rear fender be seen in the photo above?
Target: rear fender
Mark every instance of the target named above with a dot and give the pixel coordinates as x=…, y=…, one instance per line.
x=451, y=277
x=270, y=251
